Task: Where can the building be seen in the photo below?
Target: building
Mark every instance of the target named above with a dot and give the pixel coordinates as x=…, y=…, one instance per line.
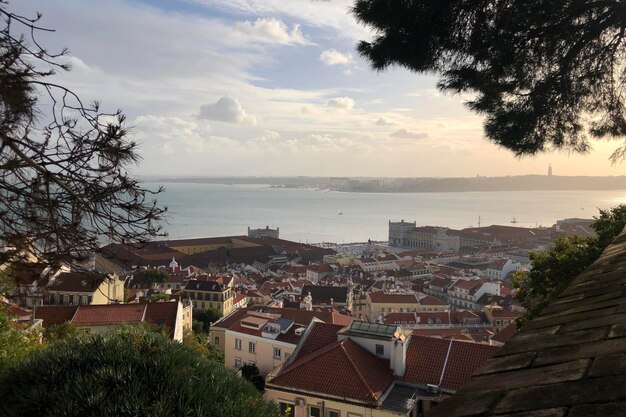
x=501, y=268
x=370, y=369
x=325, y=296
x=84, y=288
x=263, y=233
x=265, y=336
x=397, y=232
x=501, y=317
x=101, y=318
x=567, y=361
x=467, y=293
x=380, y=303
x=206, y=295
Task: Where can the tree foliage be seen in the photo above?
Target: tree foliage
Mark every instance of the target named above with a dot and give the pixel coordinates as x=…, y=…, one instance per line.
x=128, y=373
x=148, y=277
x=202, y=319
x=546, y=74
x=63, y=163
x=552, y=270
x=250, y=372
x=199, y=343
x=15, y=342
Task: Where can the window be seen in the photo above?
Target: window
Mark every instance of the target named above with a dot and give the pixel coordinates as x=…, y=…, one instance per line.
x=286, y=409
x=216, y=341
x=277, y=353
x=238, y=344
x=252, y=347
x=203, y=304
x=382, y=310
x=237, y=363
x=380, y=350
x=315, y=412
x=333, y=413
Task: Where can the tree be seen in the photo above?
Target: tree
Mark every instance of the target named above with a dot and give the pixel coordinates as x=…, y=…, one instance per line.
x=64, y=182
x=250, y=372
x=16, y=342
x=546, y=74
x=129, y=373
x=552, y=270
x=148, y=277
x=203, y=319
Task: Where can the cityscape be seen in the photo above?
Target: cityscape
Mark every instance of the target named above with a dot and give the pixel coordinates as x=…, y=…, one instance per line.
x=346, y=208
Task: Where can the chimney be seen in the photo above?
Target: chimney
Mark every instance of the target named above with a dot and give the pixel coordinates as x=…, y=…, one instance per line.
x=399, y=346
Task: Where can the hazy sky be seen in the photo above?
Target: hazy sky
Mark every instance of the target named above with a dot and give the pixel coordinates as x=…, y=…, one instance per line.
x=271, y=87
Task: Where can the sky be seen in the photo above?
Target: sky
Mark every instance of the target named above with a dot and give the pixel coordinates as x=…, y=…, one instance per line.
x=272, y=88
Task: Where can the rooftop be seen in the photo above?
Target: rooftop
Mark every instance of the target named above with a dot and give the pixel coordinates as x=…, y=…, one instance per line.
x=568, y=361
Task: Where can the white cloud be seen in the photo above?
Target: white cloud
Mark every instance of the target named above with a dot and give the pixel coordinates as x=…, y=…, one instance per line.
x=407, y=134
x=341, y=103
x=272, y=30
x=383, y=121
x=334, y=57
x=226, y=109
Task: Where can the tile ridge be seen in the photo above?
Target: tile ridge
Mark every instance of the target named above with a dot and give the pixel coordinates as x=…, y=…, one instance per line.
x=358, y=370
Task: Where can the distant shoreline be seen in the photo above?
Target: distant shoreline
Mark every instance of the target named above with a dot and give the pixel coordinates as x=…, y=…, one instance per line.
x=416, y=185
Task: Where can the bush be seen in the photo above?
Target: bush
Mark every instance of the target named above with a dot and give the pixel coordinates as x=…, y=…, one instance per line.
x=125, y=373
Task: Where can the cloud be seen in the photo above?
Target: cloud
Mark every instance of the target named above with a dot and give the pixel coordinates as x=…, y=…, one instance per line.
x=272, y=30
x=226, y=109
x=383, y=121
x=407, y=134
x=341, y=103
x=334, y=57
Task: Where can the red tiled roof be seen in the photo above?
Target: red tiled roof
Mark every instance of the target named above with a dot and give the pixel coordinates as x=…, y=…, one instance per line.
x=505, y=313
x=112, y=313
x=467, y=284
x=397, y=318
x=382, y=297
x=426, y=361
x=238, y=298
x=14, y=310
x=342, y=369
x=320, y=335
x=53, y=315
x=444, y=317
x=162, y=314
x=429, y=300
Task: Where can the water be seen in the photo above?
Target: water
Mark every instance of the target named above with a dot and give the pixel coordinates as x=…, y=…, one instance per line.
x=306, y=215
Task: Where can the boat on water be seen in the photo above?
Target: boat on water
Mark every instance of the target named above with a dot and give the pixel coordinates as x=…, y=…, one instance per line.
x=514, y=221
x=339, y=212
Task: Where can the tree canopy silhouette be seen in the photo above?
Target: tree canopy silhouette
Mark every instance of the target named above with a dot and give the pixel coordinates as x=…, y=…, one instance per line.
x=64, y=179
x=546, y=74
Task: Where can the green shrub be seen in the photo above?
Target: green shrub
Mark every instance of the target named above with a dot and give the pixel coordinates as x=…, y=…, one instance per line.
x=125, y=373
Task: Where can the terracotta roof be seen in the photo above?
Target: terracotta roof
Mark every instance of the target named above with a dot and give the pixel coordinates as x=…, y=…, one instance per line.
x=238, y=298
x=445, y=363
x=505, y=313
x=440, y=282
x=397, y=318
x=436, y=317
x=320, y=335
x=382, y=297
x=14, y=310
x=162, y=314
x=109, y=314
x=53, y=315
x=429, y=300
x=343, y=369
x=467, y=284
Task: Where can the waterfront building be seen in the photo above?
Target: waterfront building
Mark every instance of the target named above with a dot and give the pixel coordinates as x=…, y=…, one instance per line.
x=263, y=233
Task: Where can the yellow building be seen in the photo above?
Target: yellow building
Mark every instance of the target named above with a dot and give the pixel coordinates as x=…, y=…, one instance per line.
x=205, y=295
x=84, y=288
x=380, y=303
